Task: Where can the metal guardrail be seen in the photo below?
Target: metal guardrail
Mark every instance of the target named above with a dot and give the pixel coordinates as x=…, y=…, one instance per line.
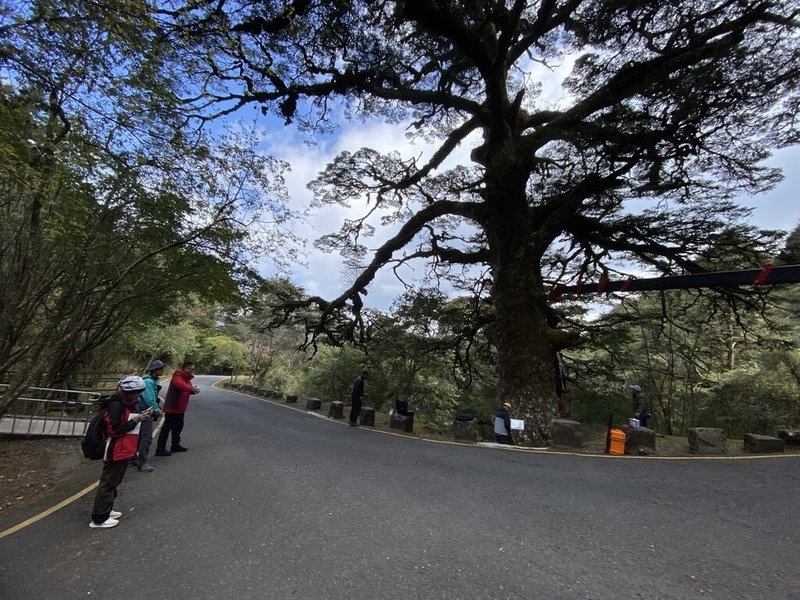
x=49, y=412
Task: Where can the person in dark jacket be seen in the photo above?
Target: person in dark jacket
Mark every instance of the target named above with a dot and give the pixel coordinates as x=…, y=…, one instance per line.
x=641, y=408
x=502, y=425
x=355, y=398
x=122, y=429
x=175, y=405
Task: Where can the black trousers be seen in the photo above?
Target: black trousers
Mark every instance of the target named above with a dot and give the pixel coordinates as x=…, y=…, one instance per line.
x=173, y=423
x=355, y=409
x=110, y=479
x=145, y=439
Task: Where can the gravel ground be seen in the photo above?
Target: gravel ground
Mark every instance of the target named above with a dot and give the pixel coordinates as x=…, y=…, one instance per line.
x=29, y=466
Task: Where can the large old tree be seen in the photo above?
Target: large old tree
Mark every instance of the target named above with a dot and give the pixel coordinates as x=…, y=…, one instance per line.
x=669, y=110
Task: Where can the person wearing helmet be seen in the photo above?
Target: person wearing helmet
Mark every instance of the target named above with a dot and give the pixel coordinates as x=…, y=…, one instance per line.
x=122, y=421
x=149, y=399
x=502, y=425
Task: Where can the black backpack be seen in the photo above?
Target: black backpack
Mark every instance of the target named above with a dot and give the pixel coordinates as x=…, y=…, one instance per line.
x=94, y=441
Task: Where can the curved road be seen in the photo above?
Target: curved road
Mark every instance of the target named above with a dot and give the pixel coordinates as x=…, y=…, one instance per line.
x=275, y=503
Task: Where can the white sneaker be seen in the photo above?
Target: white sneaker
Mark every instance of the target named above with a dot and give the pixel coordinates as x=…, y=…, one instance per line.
x=105, y=524
x=115, y=514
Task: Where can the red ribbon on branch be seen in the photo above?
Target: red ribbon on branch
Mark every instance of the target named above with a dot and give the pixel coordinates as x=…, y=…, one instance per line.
x=763, y=275
x=555, y=293
x=627, y=283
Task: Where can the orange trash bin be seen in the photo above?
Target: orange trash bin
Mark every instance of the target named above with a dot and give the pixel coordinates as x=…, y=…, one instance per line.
x=617, y=445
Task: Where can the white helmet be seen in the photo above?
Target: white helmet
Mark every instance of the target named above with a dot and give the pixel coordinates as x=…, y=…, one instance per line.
x=131, y=383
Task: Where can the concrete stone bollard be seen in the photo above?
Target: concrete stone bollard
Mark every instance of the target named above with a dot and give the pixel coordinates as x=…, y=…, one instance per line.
x=313, y=404
x=707, y=441
x=367, y=416
x=336, y=410
x=400, y=422
x=465, y=430
x=762, y=444
x=566, y=433
x=790, y=438
x=639, y=440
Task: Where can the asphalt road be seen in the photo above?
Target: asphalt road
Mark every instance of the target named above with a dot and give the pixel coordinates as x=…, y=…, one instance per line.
x=275, y=503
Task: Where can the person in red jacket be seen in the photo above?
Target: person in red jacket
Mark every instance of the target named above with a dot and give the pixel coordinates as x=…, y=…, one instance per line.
x=122, y=421
x=175, y=405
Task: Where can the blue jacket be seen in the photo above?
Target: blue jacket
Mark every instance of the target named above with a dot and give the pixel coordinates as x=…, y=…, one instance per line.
x=149, y=397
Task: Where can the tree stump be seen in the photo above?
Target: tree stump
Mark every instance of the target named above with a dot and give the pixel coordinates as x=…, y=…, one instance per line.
x=313, y=404
x=367, y=416
x=336, y=410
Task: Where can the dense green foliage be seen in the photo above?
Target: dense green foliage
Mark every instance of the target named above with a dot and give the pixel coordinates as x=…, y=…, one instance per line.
x=111, y=208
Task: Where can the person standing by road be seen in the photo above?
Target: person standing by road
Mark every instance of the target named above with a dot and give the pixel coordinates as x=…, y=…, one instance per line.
x=502, y=425
x=641, y=407
x=175, y=405
x=149, y=399
x=355, y=398
x=122, y=428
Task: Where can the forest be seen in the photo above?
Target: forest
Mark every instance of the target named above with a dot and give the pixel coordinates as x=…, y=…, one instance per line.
x=135, y=210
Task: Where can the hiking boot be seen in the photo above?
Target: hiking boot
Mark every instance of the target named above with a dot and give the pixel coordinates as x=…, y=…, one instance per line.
x=179, y=449
x=145, y=468
x=114, y=514
x=109, y=522
x=163, y=453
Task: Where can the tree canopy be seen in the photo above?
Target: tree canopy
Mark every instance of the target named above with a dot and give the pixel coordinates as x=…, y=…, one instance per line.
x=111, y=207
x=669, y=111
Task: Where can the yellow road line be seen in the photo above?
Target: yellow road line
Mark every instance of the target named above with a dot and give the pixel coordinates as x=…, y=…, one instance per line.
x=60, y=505
x=49, y=511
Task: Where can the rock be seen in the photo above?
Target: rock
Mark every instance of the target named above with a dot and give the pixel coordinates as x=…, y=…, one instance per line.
x=313, y=404
x=758, y=444
x=707, y=441
x=566, y=433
